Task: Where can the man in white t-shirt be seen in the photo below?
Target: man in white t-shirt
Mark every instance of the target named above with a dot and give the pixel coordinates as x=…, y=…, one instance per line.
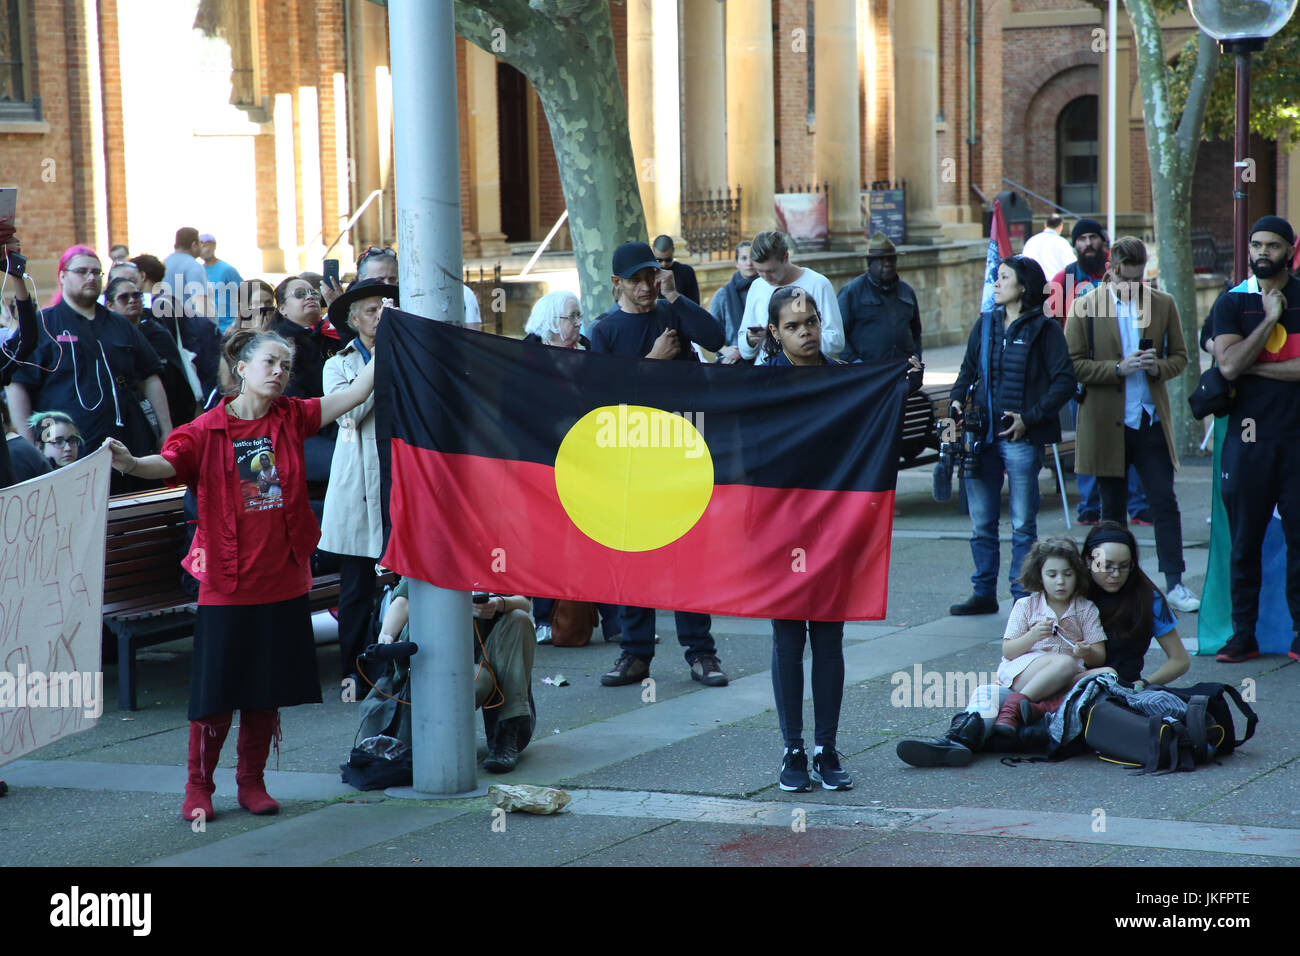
x=1049, y=248
x=770, y=254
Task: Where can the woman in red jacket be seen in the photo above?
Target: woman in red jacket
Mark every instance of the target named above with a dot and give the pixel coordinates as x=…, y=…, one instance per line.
x=253, y=645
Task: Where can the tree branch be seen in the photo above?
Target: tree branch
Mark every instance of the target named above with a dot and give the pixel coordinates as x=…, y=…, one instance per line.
x=1198, y=99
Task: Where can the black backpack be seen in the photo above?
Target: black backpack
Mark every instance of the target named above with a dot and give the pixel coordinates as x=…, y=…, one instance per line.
x=1121, y=734
x=1217, y=696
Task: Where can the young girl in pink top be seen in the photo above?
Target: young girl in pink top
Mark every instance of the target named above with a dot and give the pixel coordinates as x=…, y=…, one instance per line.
x=1053, y=637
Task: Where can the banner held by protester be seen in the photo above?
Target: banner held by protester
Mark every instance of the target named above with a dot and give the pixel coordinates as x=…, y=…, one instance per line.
x=51, y=599
x=517, y=468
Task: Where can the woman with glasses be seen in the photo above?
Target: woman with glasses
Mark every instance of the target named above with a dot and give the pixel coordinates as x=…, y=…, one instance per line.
x=556, y=320
x=299, y=324
x=1133, y=611
x=57, y=437
x=124, y=297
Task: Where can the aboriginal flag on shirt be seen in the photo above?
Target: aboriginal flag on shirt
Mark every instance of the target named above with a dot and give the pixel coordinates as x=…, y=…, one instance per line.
x=518, y=468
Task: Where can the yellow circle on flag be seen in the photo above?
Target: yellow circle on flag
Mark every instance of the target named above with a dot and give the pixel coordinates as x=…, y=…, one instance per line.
x=634, y=478
x=1276, y=339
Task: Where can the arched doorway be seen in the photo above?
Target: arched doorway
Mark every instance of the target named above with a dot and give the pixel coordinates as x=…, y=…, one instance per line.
x=1077, y=156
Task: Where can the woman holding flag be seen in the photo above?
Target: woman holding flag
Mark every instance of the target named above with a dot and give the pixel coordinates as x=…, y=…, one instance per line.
x=253, y=644
x=794, y=336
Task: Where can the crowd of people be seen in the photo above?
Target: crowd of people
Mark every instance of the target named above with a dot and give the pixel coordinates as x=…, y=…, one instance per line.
x=252, y=396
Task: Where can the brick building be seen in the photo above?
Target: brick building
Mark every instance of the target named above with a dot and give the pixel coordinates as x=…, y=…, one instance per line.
x=268, y=122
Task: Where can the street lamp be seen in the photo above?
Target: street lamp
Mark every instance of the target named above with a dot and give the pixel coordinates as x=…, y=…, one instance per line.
x=1241, y=27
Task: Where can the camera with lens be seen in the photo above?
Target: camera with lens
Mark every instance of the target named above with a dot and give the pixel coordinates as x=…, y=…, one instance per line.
x=959, y=452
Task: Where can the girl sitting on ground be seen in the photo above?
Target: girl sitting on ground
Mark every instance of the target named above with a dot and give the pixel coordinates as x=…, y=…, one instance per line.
x=1054, y=636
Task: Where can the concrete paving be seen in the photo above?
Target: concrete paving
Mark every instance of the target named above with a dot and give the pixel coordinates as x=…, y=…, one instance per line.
x=687, y=776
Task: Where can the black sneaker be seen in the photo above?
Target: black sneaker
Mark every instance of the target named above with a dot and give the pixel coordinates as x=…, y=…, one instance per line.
x=707, y=669
x=1088, y=517
x=1240, y=648
x=794, y=771
x=628, y=669
x=976, y=604
x=826, y=770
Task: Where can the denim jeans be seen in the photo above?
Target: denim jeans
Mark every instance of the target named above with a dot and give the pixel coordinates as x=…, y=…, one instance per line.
x=1022, y=462
x=1090, y=494
x=693, y=632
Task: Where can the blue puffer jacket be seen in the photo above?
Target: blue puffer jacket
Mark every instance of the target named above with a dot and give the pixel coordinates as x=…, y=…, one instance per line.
x=1029, y=366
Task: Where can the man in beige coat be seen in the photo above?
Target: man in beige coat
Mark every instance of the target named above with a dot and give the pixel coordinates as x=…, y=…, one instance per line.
x=1137, y=345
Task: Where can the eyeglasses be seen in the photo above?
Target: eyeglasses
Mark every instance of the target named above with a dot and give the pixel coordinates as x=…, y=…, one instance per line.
x=93, y=273
x=71, y=441
x=664, y=260
x=130, y=297
x=304, y=293
x=1109, y=568
x=575, y=317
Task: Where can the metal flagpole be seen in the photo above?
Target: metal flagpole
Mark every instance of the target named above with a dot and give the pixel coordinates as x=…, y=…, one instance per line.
x=426, y=153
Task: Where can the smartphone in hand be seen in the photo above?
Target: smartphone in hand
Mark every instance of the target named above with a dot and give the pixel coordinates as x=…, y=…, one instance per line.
x=1145, y=344
x=331, y=271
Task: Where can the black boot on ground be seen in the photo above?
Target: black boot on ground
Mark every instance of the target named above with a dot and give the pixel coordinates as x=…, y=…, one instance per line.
x=503, y=754
x=956, y=748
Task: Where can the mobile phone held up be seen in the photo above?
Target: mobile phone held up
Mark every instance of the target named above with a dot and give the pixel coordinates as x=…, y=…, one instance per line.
x=331, y=271
x=1145, y=344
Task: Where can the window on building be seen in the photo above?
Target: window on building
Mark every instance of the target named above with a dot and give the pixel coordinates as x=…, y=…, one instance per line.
x=1077, y=156
x=16, y=101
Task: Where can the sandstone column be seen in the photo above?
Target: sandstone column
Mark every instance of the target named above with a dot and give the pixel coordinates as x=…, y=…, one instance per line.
x=838, y=147
x=916, y=98
x=704, y=79
x=654, y=116
x=484, y=160
x=751, y=127
x=1123, y=155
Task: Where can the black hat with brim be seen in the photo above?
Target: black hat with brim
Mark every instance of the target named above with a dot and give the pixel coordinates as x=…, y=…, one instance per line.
x=361, y=289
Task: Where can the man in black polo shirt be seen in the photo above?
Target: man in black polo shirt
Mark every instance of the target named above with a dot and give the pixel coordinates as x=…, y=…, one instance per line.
x=89, y=362
x=1256, y=330
x=644, y=325
x=683, y=275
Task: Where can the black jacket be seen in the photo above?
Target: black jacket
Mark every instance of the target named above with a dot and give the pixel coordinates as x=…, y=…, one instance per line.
x=879, y=324
x=1048, y=371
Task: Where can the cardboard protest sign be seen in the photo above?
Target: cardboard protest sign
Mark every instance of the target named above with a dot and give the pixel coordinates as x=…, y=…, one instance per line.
x=51, y=598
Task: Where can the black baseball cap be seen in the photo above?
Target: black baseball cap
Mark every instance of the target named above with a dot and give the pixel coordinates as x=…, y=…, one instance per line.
x=631, y=257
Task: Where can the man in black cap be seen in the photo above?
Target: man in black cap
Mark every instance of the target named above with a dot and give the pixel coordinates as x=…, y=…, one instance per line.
x=651, y=319
x=1255, y=329
x=882, y=320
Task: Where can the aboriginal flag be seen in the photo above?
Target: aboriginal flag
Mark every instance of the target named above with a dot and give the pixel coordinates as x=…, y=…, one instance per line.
x=518, y=468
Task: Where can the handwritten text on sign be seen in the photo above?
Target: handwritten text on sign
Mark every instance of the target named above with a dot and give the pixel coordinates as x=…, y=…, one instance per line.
x=51, y=597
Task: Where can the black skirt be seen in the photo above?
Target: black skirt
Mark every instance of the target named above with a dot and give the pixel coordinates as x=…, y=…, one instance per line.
x=253, y=657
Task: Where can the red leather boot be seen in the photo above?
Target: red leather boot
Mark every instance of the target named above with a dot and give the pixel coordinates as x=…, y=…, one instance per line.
x=1008, y=719
x=206, y=739
x=257, y=730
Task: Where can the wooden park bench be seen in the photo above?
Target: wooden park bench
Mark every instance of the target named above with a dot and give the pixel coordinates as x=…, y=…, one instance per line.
x=144, y=602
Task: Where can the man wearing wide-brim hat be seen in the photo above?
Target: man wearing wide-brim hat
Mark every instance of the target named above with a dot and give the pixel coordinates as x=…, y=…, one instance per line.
x=882, y=319
x=352, y=522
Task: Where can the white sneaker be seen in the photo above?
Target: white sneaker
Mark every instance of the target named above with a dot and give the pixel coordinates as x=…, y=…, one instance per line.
x=543, y=633
x=1181, y=599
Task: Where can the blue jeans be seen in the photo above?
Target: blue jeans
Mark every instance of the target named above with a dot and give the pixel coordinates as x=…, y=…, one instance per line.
x=1022, y=462
x=693, y=632
x=1090, y=496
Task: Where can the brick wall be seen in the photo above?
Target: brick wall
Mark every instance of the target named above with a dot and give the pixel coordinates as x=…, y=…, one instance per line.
x=792, y=45
x=48, y=171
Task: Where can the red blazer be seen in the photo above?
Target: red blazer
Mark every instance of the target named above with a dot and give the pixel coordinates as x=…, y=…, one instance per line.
x=204, y=458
